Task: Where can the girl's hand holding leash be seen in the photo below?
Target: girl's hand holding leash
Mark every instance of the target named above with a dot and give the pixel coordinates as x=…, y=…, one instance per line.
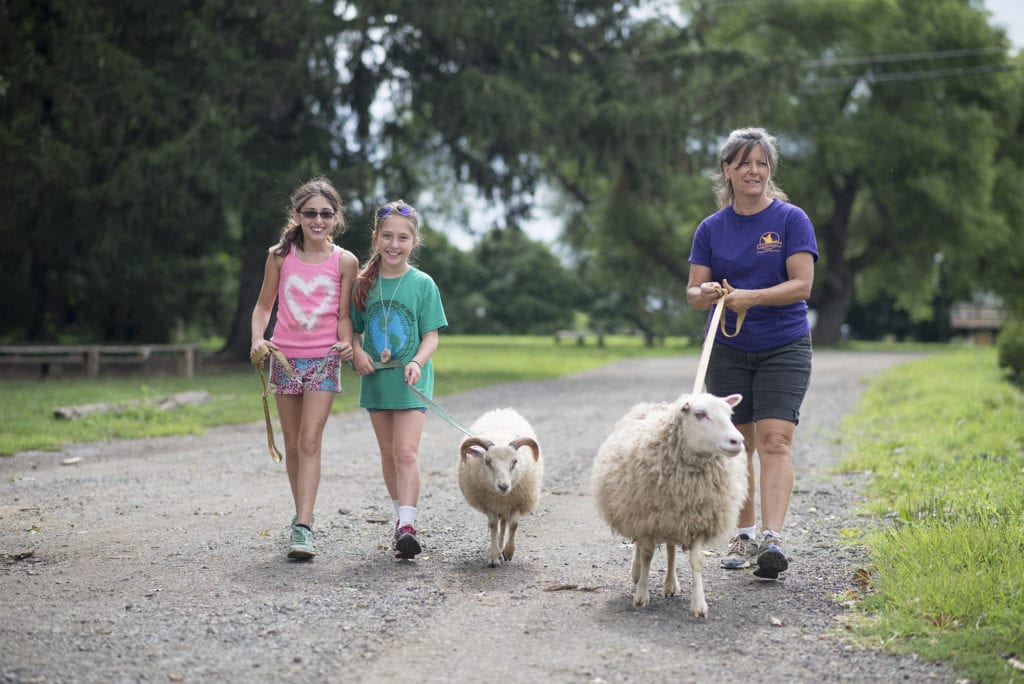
x=343, y=350
x=361, y=362
x=413, y=370
x=260, y=348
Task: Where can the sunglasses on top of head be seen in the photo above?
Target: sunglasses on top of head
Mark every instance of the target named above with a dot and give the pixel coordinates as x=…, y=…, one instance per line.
x=401, y=210
x=325, y=214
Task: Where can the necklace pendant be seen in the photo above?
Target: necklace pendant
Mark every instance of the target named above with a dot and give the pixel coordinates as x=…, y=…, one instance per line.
x=385, y=355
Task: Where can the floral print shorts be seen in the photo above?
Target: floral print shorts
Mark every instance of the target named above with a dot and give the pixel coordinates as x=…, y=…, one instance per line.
x=307, y=378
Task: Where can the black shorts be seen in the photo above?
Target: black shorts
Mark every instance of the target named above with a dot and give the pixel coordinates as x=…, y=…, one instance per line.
x=773, y=382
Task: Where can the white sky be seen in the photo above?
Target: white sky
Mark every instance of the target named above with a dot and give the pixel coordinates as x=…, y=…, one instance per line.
x=1010, y=15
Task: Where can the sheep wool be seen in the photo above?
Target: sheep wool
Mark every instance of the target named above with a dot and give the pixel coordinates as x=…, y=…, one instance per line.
x=498, y=478
x=669, y=474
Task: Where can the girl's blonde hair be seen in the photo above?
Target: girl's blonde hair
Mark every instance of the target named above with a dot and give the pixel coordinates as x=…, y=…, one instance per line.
x=370, y=272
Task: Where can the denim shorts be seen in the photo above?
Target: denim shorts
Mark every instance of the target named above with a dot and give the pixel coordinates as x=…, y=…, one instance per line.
x=773, y=382
x=307, y=380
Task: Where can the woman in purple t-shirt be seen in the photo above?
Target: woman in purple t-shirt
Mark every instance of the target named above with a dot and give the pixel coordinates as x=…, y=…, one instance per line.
x=760, y=250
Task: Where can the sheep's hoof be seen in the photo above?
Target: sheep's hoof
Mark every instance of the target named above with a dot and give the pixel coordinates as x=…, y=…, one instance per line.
x=700, y=611
x=641, y=600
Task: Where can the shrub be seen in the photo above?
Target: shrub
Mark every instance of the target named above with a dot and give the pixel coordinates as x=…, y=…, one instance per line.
x=1011, y=349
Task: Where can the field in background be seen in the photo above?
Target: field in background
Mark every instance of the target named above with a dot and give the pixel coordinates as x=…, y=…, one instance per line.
x=461, y=362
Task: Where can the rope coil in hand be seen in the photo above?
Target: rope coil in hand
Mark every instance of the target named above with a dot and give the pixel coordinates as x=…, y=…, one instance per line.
x=257, y=361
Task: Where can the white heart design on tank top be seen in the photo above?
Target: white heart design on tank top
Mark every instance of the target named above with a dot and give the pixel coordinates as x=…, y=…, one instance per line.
x=309, y=319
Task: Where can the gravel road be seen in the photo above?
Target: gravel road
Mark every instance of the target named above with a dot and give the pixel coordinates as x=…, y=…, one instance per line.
x=164, y=560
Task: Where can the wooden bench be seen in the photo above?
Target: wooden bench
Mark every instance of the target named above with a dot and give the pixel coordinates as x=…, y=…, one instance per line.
x=579, y=336
x=92, y=355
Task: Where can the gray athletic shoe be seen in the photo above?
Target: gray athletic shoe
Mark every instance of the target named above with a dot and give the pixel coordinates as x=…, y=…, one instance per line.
x=301, y=543
x=770, y=559
x=742, y=549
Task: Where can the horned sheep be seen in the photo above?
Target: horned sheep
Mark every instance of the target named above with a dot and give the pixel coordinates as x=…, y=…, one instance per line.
x=498, y=478
x=668, y=474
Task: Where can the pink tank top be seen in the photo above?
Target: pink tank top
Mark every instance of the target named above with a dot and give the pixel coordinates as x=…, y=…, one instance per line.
x=308, y=297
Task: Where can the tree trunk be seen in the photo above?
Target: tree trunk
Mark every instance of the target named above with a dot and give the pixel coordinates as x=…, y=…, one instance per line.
x=836, y=289
x=236, y=347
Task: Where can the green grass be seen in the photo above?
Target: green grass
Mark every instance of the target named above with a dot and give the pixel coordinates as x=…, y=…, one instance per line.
x=461, y=363
x=944, y=438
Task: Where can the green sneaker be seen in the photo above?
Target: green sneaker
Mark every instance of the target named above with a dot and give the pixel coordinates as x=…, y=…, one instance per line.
x=301, y=543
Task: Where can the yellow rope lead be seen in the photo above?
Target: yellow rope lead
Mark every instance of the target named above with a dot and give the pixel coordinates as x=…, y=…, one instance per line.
x=257, y=361
x=739, y=318
x=739, y=324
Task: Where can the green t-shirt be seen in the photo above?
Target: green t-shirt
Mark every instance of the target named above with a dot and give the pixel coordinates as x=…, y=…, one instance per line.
x=399, y=311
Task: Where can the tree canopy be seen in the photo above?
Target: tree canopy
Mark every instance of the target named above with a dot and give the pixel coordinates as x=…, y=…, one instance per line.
x=149, y=150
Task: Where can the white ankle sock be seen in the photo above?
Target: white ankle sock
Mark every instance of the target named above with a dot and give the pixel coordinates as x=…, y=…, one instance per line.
x=749, y=531
x=406, y=515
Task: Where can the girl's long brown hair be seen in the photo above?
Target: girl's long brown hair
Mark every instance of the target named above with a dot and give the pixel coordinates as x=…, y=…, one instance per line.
x=291, y=234
x=370, y=272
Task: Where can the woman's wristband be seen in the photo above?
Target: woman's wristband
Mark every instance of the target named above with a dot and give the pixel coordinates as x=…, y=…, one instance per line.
x=417, y=363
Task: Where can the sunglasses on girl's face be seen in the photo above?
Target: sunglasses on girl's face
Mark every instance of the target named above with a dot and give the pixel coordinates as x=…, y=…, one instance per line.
x=325, y=214
x=401, y=210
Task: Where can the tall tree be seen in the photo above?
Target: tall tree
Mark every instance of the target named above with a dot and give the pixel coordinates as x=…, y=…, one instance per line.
x=145, y=145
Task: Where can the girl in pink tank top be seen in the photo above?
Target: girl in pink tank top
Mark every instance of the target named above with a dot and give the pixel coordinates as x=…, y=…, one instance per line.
x=310, y=279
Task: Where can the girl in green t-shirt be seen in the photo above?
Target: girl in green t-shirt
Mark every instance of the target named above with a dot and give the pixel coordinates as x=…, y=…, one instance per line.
x=396, y=315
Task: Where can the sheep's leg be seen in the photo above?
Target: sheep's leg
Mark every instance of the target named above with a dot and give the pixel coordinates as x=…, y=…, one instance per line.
x=643, y=551
x=502, y=531
x=493, y=524
x=671, y=582
x=511, y=525
x=634, y=568
x=698, y=606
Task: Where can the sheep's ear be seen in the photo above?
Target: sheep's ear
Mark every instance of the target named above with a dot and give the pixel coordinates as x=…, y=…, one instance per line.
x=527, y=441
x=733, y=399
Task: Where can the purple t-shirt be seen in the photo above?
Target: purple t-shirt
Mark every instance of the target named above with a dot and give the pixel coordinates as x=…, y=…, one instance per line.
x=751, y=252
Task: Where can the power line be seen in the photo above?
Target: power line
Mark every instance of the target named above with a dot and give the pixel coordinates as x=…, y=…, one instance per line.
x=906, y=57
x=871, y=78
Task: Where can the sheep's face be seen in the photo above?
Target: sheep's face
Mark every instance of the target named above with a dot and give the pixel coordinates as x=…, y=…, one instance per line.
x=501, y=464
x=502, y=467
x=707, y=425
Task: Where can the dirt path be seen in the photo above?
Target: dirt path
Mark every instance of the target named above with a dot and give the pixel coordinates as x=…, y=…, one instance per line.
x=163, y=560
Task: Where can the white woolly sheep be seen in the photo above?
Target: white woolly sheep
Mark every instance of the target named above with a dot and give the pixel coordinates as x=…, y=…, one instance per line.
x=668, y=474
x=498, y=479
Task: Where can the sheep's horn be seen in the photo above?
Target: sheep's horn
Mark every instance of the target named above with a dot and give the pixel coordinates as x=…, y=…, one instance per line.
x=474, y=442
x=527, y=441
